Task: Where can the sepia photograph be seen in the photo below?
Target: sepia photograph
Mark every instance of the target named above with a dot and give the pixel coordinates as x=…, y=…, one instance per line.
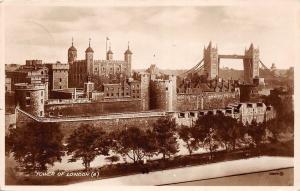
x=141, y=94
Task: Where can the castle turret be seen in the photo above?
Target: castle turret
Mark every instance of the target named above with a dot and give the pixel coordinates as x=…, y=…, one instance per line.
x=72, y=53
x=109, y=54
x=31, y=98
x=89, y=54
x=127, y=58
x=163, y=94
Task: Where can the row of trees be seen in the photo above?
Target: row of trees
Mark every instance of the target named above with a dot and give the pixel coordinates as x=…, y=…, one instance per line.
x=35, y=146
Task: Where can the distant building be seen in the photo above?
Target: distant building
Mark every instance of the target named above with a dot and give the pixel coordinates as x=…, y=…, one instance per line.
x=33, y=72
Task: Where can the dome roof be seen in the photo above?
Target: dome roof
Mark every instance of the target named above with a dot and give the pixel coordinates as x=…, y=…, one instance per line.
x=72, y=48
x=128, y=51
x=109, y=51
x=89, y=49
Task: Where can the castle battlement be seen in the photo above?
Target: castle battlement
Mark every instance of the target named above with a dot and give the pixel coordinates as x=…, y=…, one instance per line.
x=26, y=86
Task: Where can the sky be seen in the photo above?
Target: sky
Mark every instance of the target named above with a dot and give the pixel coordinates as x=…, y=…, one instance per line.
x=172, y=37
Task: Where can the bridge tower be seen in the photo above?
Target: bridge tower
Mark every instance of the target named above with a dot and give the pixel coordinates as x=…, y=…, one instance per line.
x=211, y=61
x=251, y=64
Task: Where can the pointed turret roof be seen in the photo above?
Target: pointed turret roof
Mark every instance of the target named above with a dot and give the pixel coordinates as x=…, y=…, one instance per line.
x=72, y=48
x=89, y=49
x=128, y=50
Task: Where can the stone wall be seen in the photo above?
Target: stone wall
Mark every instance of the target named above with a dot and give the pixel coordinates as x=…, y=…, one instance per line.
x=94, y=108
x=205, y=100
x=107, y=123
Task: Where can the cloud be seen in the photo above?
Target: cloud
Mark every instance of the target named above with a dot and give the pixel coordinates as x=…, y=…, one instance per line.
x=151, y=30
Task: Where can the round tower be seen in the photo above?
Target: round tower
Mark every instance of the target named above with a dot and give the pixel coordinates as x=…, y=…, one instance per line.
x=161, y=95
x=31, y=98
x=72, y=53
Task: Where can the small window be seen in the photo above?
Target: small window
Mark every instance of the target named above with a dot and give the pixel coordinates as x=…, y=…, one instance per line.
x=27, y=94
x=228, y=111
x=60, y=80
x=133, y=91
x=201, y=113
x=60, y=87
x=137, y=96
x=51, y=114
x=112, y=94
x=249, y=105
x=41, y=113
x=28, y=102
x=59, y=113
x=166, y=88
x=181, y=115
x=192, y=114
x=259, y=104
x=210, y=113
x=42, y=101
x=42, y=93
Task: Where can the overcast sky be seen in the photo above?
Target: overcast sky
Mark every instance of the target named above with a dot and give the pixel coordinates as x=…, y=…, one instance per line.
x=176, y=35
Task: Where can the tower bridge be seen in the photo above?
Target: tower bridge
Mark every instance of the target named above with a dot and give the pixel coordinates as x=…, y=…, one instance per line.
x=210, y=63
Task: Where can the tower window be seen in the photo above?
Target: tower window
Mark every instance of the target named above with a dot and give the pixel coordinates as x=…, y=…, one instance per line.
x=42, y=93
x=28, y=102
x=42, y=101
x=41, y=113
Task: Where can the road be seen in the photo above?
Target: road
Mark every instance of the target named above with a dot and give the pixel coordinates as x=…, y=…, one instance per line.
x=205, y=172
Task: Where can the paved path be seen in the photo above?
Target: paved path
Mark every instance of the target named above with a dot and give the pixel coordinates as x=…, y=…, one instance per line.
x=197, y=172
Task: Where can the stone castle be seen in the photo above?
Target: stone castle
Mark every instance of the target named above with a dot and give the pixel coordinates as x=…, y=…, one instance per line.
x=57, y=91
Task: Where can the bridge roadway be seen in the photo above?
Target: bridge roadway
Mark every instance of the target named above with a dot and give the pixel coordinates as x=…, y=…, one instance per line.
x=231, y=56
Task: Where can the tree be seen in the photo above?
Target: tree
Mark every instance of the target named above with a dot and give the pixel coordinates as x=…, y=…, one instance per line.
x=86, y=143
x=112, y=159
x=257, y=131
x=187, y=135
x=133, y=143
x=164, y=130
x=229, y=131
x=207, y=133
x=35, y=146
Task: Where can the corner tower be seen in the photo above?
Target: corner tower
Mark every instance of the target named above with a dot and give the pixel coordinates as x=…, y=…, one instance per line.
x=127, y=58
x=109, y=54
x=72, y=53
x=211, y=61
x=89, y=58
